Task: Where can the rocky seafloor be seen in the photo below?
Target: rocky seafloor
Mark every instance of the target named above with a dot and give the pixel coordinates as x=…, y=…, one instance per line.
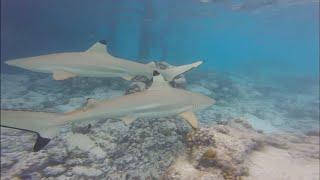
x=162, y=148
x=227, y=151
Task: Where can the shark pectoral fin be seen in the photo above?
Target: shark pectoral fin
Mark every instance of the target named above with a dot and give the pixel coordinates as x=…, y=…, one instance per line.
x=127, y=120
x=191, y=118
x=98, y=48
x=127, y=77
x=62, y=75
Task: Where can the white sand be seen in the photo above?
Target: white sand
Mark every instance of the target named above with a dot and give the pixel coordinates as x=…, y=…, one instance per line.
x=277, y=164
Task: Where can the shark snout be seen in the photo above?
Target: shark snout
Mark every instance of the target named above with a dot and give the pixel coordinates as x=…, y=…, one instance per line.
x=14, y=62
x=208, y=101
x=11, y=63
x=20, y=63
x=202, y=102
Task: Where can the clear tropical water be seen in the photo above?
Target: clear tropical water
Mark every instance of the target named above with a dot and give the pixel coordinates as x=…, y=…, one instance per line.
x=263, y=36
x=261, y=63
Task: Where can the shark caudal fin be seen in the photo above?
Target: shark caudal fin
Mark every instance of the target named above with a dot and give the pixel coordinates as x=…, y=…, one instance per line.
x=171, y=73
x=44, y=125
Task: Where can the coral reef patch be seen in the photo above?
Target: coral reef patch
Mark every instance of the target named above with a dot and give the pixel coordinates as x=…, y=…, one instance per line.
x=231, y=154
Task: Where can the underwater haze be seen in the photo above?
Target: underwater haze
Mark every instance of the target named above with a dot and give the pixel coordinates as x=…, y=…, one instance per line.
x=260, y=67
x=264, y=36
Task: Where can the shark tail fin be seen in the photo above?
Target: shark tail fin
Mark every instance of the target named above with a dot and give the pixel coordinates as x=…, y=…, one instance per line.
x=44, y=125
x=173, y=72
x=40, y=143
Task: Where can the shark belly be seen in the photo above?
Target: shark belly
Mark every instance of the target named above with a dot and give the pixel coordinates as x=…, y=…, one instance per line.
x=160, y=112
x=137, y=108
x=97, y=72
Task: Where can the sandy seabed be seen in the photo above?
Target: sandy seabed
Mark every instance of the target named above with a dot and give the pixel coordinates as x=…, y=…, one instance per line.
x=278, y=164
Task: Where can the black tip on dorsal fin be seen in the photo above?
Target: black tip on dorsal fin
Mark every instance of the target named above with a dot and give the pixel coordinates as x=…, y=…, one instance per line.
x=156, y=73
x=103, y=42
x=41, y=142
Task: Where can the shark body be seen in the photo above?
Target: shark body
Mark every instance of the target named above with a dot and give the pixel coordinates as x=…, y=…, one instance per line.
x=160, y=100
x=95, y=62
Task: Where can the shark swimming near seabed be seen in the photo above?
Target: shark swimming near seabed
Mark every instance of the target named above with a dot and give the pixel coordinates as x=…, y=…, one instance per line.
x=160, y=100
x=95, y=62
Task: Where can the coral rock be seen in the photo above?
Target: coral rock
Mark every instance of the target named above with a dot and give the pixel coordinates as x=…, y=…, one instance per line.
x=208, y=158
x=202, y=137
x=210, y=154
x=136, y=87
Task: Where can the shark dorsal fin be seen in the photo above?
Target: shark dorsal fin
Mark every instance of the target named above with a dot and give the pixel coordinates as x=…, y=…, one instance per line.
x=89, y=103
x=97, y=48
x=158, y=81
x=152, y=64
x=128, y=120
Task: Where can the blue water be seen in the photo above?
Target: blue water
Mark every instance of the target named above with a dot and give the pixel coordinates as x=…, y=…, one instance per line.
x=257, y=37
x=261, y=65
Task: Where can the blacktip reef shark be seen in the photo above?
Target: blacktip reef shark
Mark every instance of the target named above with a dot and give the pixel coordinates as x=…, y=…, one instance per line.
x=160, y=100
x=95, y=62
